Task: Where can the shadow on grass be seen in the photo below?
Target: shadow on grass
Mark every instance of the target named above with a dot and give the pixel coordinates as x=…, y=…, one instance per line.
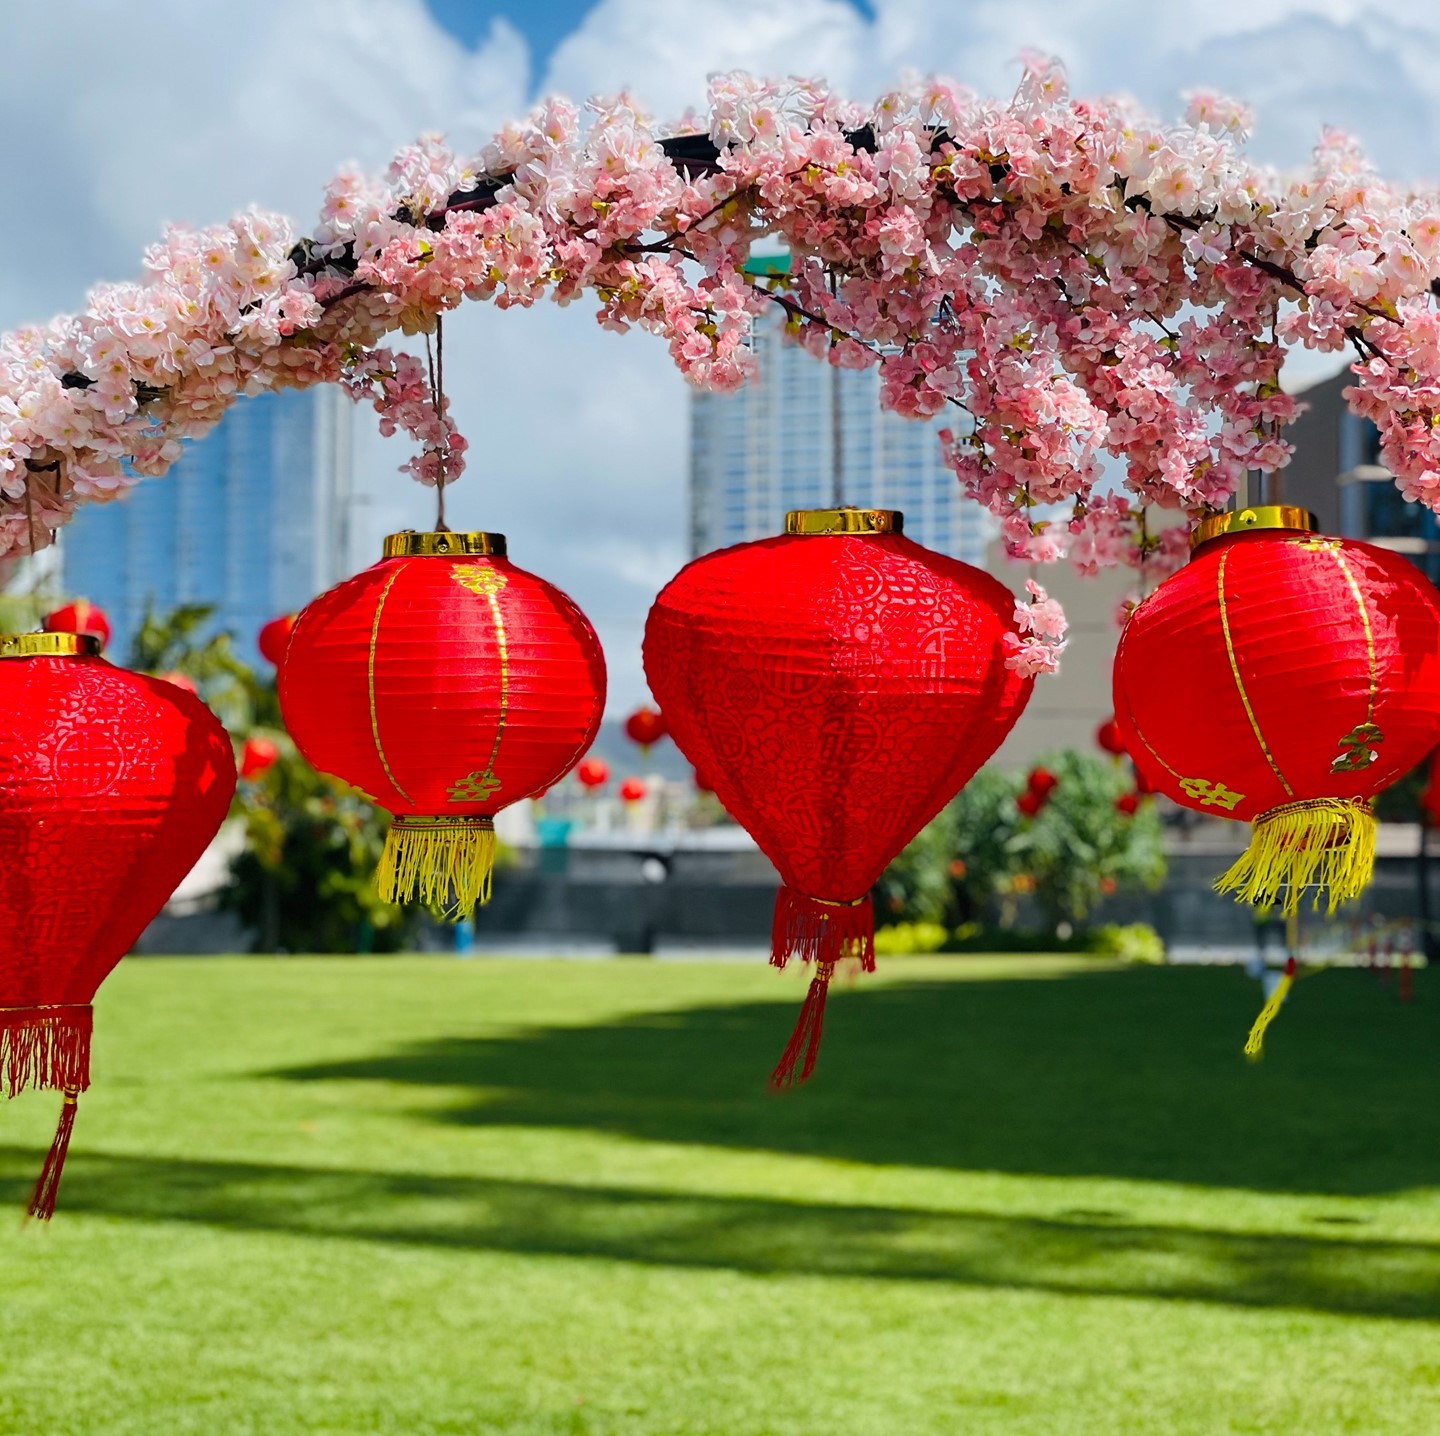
x=1078, y=1257
x=1135, y=1073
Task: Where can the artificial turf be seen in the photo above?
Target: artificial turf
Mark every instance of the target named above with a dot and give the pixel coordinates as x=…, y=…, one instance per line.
x=1026, y=1195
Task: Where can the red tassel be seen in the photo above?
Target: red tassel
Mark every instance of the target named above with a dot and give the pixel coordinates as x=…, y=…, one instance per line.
x=823, y=933
x=806, y=1036
x=818, y=931
x=42, y=1203
x=45, y=1047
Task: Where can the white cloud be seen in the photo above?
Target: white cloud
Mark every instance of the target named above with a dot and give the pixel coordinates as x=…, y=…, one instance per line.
x=113, y=126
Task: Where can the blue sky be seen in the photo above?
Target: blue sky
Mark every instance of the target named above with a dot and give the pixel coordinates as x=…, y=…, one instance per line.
x=543, y=23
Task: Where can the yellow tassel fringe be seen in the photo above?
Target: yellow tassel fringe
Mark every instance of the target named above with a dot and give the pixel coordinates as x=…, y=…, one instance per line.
x=443, y=862
x=1255, y=1042
x=1328, y=843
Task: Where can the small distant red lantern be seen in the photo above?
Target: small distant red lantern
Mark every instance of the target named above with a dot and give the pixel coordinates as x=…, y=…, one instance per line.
x=445, y=683
x=593, y=773
x=1128, y=804
x=111, y=785
x=1029, y=803
x=645, y=726
x=1283, y=678
x=1042, y=782
x=632, y=790
x=1107, y=736
x=702, y=783
x=838, y=685
x=257, y=755
x=82, y=616
x=275, y=637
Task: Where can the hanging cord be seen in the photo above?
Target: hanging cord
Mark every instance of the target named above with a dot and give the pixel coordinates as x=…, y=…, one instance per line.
x=435, y=362
x=837, y=428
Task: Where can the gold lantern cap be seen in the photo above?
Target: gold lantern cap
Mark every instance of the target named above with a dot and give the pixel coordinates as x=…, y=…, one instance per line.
x=49, y=645
x=1252, y=520
x=846, y=520
x=442, y=543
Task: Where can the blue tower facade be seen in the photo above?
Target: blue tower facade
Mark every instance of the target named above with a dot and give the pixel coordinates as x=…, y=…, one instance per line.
x=253, y=519
x=771, y=447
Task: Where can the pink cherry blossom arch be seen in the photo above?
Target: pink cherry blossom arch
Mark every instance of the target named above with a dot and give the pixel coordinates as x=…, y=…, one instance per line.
x=1070, y=279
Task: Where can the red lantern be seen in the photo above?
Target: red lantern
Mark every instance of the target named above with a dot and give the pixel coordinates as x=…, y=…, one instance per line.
x=446, y=684
x=1283, y=678
x=1107, y=735
x=111, y=785
x=1430, y=795
x=593, y=773
x=274, y=637
x=1042, y=782
x=702, y=783
x=1128, y=804
x=1029, y=803
x=181, y=681
x=257, y=755
x=837, y=685
x=645, y=726
x=82, y=616
x=632, y=790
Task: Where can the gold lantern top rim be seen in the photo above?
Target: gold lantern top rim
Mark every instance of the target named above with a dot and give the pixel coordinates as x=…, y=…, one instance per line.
x=49, y=645
x=845, y=520
x=1255, y=519
x=443, y=543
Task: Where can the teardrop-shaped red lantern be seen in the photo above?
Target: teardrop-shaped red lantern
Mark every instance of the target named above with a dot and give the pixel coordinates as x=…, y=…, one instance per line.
x=445, y=683
x=838, y=686
x=82, y=616
x=1283, y=678
x=274, y=636
x=111, y=785
x=645, y=726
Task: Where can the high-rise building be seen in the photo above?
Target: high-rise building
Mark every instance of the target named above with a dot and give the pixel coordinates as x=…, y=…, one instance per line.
x=252, y=519
x=1338, y=474
x=774, y=444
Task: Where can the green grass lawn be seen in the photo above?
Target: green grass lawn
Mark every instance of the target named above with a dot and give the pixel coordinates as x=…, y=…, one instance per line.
x=1020, y=1195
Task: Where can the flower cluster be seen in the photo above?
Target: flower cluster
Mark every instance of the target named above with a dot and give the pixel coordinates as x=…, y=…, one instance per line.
x=1037, y=647
x=1092, y=293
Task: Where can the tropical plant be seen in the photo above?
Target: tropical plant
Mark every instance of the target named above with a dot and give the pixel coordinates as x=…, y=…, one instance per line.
x=982, y=854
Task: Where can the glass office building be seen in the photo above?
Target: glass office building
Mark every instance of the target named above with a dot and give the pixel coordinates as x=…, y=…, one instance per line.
x=252, y=519
x=771, y=447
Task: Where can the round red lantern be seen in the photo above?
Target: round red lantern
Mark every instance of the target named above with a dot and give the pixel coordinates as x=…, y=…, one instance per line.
x=82, y=616
x=593, y=773
x=258, y=755
x=445, y=683
x=1042, y=782
x=837, y=685
x=632, y=790
x=1107, y=736
x=274, y=637
x=111, y=785
x=645, y=726
x=1029, y=803
x=1285, y=679
x=1127, y=804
